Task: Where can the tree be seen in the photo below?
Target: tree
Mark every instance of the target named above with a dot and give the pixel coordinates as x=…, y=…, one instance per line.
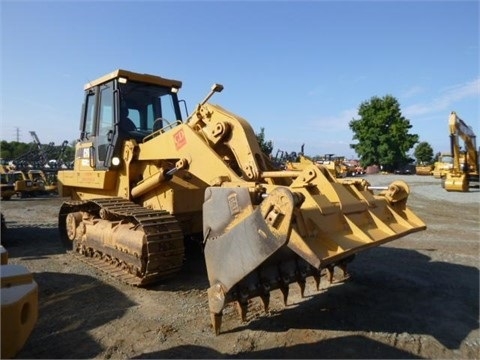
x=382, y=133
x=423, y=153
x=12, y=150
x=266, y=146
x=29, y=152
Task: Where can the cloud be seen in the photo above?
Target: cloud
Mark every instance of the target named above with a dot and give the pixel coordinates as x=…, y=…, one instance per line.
x=413, y=91
x=447, y=97
x=336, y=122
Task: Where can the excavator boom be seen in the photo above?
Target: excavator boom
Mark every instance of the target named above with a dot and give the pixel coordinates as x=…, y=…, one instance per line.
x=465, y=171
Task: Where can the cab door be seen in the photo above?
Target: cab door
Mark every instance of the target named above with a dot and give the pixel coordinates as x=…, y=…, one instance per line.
x=98, y=134
x=105, y=139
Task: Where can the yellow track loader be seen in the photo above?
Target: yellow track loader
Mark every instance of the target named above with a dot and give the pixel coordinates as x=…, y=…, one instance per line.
x=145, y=182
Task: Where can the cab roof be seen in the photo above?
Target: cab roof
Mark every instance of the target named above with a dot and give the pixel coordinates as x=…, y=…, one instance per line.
x=132, y=76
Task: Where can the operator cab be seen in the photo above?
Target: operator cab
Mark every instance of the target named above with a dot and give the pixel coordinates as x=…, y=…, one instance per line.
x=125, y=105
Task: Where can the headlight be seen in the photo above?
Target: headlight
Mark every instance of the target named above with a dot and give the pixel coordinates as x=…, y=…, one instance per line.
x=115, y=161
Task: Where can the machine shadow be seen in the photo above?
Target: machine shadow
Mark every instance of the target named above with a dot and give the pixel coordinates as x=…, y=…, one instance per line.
x=348, y=347
x=391, y=290
x=192, y=276
x=22, y=241
x=62, y=327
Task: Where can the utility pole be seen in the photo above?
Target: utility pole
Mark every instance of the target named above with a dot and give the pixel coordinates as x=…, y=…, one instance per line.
x=17, y=131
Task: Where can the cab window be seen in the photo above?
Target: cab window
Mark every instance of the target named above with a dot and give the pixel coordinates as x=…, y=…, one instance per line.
x=88, y=127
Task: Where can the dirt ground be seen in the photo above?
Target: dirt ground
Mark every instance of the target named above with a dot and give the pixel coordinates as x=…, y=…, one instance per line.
x=415, y=297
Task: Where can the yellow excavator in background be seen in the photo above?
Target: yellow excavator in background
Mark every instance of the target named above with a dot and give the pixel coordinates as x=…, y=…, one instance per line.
x=465, y=171
x=145, y=183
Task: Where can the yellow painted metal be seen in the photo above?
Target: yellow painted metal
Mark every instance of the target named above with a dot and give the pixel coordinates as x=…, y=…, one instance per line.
x=424, y=169
x=210, y=173
x=133, y=76
x=19, y=296
x=456, y=182
x=465, y=163
x=443, y=166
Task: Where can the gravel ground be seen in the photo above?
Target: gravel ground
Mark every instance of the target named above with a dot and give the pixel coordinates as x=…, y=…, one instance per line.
x=415, y=297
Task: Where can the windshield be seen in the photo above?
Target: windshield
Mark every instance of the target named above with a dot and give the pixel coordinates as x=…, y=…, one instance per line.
x=144, y=103
x=446, y=159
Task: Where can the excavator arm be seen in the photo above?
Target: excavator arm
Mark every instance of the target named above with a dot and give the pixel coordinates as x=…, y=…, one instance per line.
x=460, y=177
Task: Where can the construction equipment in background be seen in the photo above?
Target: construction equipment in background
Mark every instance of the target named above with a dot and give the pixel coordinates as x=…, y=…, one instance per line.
x=26, y=183
x=24, y=186
x=424, y=169
x=140, y=194
x=283, y=158
x=354, y=168
x=302, y=162
x=465, y=171
x=7, y=189
x=443, y=165
x=41, y=151
x=336, y=165
x=35, y=171
x=44, y=179
x=15, y=182
x=41, y=156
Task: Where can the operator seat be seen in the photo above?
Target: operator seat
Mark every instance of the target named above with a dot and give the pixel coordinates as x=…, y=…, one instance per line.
x=127, y=128
x=126, y=124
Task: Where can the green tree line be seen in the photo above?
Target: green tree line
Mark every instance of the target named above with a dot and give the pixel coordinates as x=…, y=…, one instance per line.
x=381, y=132
x=13, y=150
x=383, y=136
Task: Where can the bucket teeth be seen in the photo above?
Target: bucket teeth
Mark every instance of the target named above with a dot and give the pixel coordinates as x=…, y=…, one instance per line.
x=302, y=284
x=330, y=271
x=265, y=301
x=346, y=274
x=316, y=276
x=216, y=322
x=284, y=289
x=242, y=307
x=302, y=278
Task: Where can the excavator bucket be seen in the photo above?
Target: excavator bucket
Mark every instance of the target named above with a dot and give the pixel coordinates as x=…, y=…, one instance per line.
x=456, y=182
x=253, y=247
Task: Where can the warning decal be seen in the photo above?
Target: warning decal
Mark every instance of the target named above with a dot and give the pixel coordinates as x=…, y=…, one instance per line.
x=179, y=138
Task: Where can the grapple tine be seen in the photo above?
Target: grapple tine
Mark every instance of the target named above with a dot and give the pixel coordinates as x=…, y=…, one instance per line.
x=302, y=284
x=330, y=272
x=216, y=322
x=232, y=255
x=302, y=274
x=265, y=297
x=255, y=246
x=317, y=276
x=343, y=267
x=285, y=289
x=242, y=308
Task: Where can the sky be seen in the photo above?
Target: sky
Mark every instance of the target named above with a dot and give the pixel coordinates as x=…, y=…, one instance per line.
x=298, y=69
